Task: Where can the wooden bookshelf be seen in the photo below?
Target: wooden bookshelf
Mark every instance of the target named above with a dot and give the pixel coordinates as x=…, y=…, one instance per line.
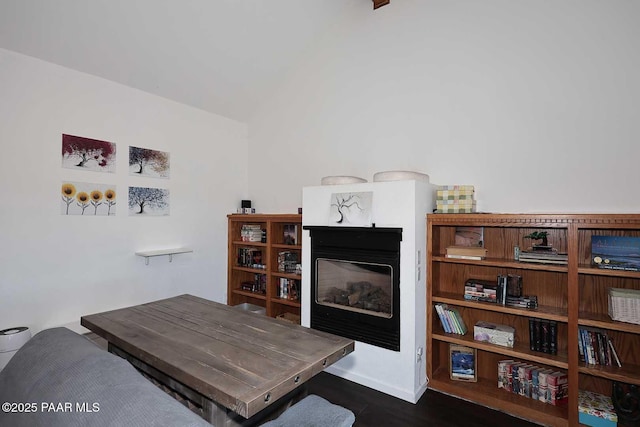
x=273, y=226
x=574, y=295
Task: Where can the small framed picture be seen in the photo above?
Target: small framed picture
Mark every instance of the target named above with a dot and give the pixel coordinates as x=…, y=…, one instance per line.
x=462, y=363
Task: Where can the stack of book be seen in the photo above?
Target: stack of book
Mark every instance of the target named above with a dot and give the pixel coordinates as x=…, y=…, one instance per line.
x=451, y=320
x=258, y=285
x=543, y=335
x=531, y=381
x=289, y=289
x=250, y=257
x=251, y=233
x=596, y=348
x=466, y=252
x=543, y=257
x=287, y=261
x=455, y=199
x=525, y=301
x=480, y=290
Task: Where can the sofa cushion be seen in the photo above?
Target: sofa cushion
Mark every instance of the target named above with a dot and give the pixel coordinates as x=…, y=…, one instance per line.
x=314, y=411
x=72, y=382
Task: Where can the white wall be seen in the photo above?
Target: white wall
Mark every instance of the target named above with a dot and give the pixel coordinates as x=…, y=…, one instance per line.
x=55, y=268
x=534, y=103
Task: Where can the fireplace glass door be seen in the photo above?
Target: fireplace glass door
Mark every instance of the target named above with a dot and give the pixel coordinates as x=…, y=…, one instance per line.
x=355, y=283
x=362, y=287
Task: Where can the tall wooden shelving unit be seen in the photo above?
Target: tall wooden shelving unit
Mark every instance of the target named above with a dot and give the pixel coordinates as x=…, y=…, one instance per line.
x=273, y=225
x=574, y=295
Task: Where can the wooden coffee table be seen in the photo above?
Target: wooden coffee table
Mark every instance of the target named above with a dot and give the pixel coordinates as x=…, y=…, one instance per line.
x=232, y=363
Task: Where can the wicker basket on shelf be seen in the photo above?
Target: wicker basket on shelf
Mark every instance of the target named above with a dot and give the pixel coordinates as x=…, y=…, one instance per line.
x=624, y=305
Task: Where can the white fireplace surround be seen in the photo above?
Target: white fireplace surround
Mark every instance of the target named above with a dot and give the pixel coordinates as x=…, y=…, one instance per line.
x=401, y=204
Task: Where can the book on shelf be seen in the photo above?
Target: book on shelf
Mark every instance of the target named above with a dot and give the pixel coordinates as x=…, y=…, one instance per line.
x=543, y=335
x=533, y=382
x=524, y=378
x=469, y=257
x=466, y=252
x=287, y=261
x=290, y=234
x=258, y=285
x=450, y=319
x=558, y=387
x=509, y=285
x=462, y=363
x=615, y=252
x=503, y=366
x=551, y=256
x=525, y=301
x=252, y=233
x=542, y=384
x=595, y=347
x=250, y=257
x=288, y=289
x=481, y=290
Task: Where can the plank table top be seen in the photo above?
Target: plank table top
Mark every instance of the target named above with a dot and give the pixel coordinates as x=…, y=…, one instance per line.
x=237, y=359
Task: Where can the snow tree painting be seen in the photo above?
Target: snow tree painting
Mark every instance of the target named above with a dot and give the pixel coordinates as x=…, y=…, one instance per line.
x=83, y=198
x=147, y=201
x=146, y=162
x=88, y=154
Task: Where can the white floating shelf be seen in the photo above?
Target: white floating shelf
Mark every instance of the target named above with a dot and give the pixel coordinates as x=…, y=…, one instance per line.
x=161, y=252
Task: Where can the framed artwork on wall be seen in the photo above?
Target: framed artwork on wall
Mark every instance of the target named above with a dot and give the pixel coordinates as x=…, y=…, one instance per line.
x=83, y=198
x=149, y=163
x=351, y=209
x=88, y=154
x=146, y=201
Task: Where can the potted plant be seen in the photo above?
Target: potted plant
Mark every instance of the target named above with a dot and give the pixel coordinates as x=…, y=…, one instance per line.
x=539, y=235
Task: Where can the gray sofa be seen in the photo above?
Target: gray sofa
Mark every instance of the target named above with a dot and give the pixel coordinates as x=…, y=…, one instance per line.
x=60, y=378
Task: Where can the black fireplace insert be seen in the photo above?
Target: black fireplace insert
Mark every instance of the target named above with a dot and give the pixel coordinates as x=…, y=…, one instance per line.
x=355, y=283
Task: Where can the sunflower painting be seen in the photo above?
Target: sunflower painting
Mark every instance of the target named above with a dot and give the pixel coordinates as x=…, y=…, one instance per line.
x=83, y=198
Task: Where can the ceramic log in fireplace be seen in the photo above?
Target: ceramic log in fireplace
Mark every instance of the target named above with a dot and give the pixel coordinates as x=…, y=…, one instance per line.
x=356, y=283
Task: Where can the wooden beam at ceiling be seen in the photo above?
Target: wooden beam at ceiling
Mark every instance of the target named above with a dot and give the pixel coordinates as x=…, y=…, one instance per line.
x=380, y=3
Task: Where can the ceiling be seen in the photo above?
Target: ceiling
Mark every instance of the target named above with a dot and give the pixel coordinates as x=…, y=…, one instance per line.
x=222, y=56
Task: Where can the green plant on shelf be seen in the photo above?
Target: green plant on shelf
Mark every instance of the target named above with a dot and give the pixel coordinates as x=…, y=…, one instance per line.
x=539, y=235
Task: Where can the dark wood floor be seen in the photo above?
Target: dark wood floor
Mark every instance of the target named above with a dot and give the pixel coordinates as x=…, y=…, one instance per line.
x=376, y=409
x=373, y=408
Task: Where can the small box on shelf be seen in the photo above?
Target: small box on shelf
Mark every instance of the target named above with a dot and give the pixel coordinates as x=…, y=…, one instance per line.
x=596, y=410
x=493, y=333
